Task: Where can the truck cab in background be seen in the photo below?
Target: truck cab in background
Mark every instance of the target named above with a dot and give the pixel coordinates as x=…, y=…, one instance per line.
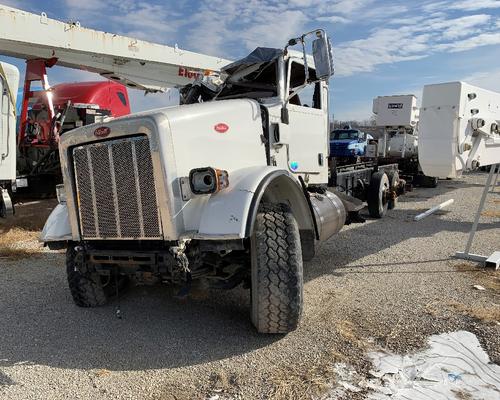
x=50, y=112
x=9, y=82
x=348, y=145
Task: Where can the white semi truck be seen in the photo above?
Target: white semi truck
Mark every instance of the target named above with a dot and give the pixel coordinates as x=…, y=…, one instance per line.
x=230, y=189
x=9, y=82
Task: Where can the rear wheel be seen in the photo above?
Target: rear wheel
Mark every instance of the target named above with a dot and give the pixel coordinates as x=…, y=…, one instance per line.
x=378, y=194
x=393, y=177
x=429, y=181
x=277, y=276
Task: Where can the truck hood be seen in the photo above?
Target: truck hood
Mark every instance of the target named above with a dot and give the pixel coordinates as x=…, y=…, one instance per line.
x=221, y=134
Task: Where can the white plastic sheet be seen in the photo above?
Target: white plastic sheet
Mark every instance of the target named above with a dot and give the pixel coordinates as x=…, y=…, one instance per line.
x=453, y=367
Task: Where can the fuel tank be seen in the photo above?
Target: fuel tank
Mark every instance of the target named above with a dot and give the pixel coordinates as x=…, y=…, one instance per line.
x=329, y=212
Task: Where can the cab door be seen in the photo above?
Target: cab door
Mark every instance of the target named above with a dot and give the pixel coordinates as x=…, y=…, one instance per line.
x=308, y=124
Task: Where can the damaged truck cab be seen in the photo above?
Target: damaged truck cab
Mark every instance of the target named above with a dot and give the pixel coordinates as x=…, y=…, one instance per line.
x=228, y=188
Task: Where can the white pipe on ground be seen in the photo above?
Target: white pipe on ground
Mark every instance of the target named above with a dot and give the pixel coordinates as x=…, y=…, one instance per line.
x=433, y=210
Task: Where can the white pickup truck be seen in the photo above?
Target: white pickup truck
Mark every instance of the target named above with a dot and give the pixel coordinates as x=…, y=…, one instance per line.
x=228, y=188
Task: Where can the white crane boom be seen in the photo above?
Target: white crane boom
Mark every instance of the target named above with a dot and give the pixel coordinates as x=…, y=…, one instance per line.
x=135, y=63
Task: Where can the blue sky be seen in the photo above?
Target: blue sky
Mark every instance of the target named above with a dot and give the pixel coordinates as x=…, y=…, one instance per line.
x=380, y=47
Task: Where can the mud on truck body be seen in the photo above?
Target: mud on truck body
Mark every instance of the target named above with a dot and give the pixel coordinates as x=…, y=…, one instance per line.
x=228, y=190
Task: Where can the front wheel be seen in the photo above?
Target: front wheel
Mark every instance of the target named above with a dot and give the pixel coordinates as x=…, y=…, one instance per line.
x=277, y=275
x=86, y=287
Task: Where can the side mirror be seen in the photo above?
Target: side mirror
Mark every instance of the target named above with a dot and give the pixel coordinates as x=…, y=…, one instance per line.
x=323, y=56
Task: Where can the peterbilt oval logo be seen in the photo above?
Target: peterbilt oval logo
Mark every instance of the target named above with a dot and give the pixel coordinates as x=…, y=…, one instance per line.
x=102, y=131
x=221, y=127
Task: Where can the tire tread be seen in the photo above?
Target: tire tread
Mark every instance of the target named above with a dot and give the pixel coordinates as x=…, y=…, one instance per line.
x=279, y=270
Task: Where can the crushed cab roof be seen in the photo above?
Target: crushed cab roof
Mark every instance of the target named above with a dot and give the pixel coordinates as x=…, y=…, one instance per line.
x=259, y=57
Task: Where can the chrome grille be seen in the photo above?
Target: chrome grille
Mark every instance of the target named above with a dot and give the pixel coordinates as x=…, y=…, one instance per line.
x=115, y=190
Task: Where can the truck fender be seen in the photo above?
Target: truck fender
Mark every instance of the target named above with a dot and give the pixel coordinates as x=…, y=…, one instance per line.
x=57, y=227
x=231, y=213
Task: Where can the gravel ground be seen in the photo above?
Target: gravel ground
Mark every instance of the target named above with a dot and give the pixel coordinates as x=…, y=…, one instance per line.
x=384, y=284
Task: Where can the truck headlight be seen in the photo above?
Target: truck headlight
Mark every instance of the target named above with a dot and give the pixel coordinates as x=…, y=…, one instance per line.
x=61, y=193
x=208, y=180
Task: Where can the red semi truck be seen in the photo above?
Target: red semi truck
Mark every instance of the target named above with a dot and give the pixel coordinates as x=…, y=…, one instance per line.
x=50, y=112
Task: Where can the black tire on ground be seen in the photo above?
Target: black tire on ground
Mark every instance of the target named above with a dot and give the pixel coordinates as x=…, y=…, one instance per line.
x=377, y=196
x=429, y=181
x=393, y=176
x=277, y=275
x=86, y=289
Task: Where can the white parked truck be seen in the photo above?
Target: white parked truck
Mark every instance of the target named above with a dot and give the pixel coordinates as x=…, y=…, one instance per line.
x=9, y=82
x=399, y=117
x=229, y=190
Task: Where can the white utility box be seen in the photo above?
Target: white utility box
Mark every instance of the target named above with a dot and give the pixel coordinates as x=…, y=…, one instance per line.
x=9, y=82
x=395, y=111
x=458, y=129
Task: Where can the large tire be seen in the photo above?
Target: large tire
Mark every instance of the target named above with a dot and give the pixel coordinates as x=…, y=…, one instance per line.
x=393, y=177
x=429, y=181
x=86, y=289
x=378, y=193
x=277, y=275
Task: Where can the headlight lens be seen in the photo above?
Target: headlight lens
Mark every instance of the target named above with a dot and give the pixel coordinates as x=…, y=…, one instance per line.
x=208, y=180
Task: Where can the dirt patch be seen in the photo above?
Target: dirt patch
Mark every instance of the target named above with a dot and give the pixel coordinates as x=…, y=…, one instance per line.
x=491, y=214
x=17, y=243
x=461, y=395
x=306, y=383
x=488, y=278
x=488, y=313
x=19, y=234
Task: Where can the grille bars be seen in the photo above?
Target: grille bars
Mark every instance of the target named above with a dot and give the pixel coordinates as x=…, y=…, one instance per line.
x=116, y=191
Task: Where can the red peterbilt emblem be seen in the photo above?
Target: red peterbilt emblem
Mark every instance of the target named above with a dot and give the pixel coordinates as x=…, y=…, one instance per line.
x=221, y=127
x=102, y=131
